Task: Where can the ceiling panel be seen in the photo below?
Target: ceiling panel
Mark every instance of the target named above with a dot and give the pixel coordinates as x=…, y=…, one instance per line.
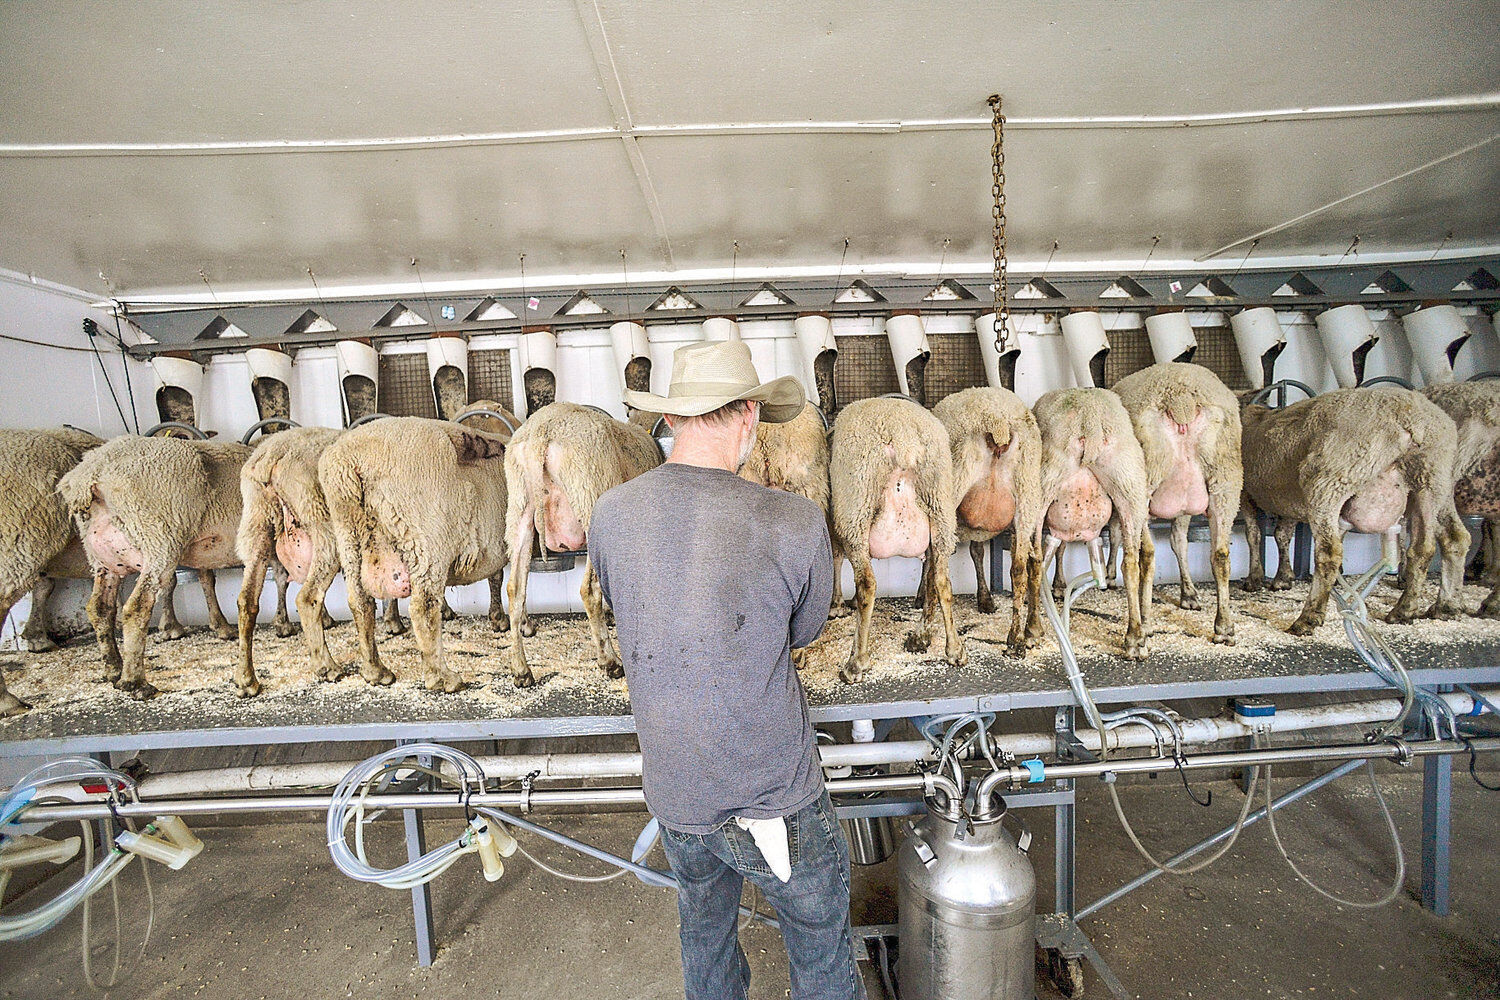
x=878, y=61
x=185, y=72
x=253, y=221
x=793, y=199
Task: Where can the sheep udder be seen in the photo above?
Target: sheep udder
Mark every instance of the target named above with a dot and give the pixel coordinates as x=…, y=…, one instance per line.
x=900, y=529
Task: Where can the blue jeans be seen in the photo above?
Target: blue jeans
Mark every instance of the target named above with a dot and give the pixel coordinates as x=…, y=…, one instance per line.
x=813, y=907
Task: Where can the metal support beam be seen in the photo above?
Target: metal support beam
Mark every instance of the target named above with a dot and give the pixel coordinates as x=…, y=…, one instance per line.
x=1064, y=829
x=421, y=896
x=1437, y=832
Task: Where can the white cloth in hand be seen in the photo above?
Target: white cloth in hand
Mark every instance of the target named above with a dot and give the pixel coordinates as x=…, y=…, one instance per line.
x=771, y=837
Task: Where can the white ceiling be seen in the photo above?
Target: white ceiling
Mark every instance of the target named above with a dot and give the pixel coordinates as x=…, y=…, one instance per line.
x=150, y=140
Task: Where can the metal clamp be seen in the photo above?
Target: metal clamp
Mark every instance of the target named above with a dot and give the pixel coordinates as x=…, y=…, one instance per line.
x=526, y=791
x=1404, y=756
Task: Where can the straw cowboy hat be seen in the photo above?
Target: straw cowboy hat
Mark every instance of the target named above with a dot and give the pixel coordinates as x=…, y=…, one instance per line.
x=709, y=375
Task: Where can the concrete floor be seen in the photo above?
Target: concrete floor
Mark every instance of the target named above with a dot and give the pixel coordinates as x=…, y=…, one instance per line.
x=263, y=913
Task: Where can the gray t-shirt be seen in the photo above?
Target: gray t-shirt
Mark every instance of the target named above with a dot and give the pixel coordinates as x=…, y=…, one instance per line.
x=713, y=581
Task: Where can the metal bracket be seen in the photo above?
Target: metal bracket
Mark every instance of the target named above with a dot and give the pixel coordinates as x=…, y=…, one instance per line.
x=1058, y=932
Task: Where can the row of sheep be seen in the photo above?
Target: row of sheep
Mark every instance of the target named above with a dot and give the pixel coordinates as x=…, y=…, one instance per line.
x=404, y=507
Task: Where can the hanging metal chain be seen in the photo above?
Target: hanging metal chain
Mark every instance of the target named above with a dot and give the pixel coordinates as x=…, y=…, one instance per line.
x=997, y=156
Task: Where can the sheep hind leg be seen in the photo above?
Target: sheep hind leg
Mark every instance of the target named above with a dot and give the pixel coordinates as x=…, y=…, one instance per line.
x=520, y=570
x=283, y=623
x=1328, y=548
x=1188, y=599
x=1220, y=526
x=864, y=610
x=1255, y=541
x=245, y=681
x=983, y=598
x=1133, y=548
x=1422, y=517
x=1020, y=593
x=836, y=607
x=9, y=703
x=1453, y=544
x=134, y=618
x=216, y=620
x=426, y=611
x=1490, y=546
x=1286, y=531
x=919, y=640
x=1490, y=606
x=605, y=652
x=499, y=620
x=394, y=623
x=169, y=628
x=35, y=634
x=103, y=611
x=953, y=644
x=311, y=608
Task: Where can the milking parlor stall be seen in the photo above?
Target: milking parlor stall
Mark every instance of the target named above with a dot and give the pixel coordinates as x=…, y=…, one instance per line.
x=1152, y=372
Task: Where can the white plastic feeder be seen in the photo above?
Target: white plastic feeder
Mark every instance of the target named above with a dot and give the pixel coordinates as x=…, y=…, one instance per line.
x=536, y=351
x=183, y=374
x=1347, y=334
x=815, y=336
x=1087, y=345
x=268, y=364
x=1260, y=338
x=1172, y=337
x=628, y=341
x=717, y=328
x=1436, y=333
x=998, y=362
x=357, y=359
x=908, y=338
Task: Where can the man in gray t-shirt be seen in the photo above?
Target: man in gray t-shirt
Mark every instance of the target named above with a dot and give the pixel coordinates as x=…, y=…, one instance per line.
x=714, y=581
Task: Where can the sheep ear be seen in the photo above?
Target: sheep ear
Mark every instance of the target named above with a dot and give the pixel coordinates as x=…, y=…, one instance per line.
x=472, y=448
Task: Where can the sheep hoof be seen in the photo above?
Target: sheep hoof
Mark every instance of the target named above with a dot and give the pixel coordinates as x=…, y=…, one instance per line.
x=1135, y=648
x=1488, y=609
x=1399, y=616
x=799, y=658
x=501, y=624
x=524, y=680
x=1224, y=636
x=449, y=614
x=396, y=627
x=1304, y=625
x=248, y=690
x=918, y=642
x=1190, y=602
x=139, y=690
x=447, y=682
x=957, y=655
x=840, y=610
x=609, y=617
x=1016, y=647
x=328, y=620
x=1281, y=583
x=986, y=605
x=330, y=672
x=11, y=705
x=528, y=627
x=381, y=678
x=613, y=670
x=849, y=672
x=1254, y=585
x=111, y=674
x=173, y=632
x=1446, y=611
x=43, y=645
x=286, y=629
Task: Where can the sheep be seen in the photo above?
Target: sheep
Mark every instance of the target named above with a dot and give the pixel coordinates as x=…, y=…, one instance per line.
x=146, y=506
x=1093, y=473
x=1361, y=459
x=997, y=462
x=891, y=473
x=285, y=521
x=793, y=456
x=1188, y=424
x=1475, y=408
x=416, y=505
x=559, y=463
x=40, y=540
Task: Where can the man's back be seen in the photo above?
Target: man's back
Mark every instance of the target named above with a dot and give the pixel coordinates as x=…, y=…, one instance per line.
x=713, y=581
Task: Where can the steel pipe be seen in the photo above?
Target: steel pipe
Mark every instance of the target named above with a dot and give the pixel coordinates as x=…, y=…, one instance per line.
x=1017, y=776
x=627, y=764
